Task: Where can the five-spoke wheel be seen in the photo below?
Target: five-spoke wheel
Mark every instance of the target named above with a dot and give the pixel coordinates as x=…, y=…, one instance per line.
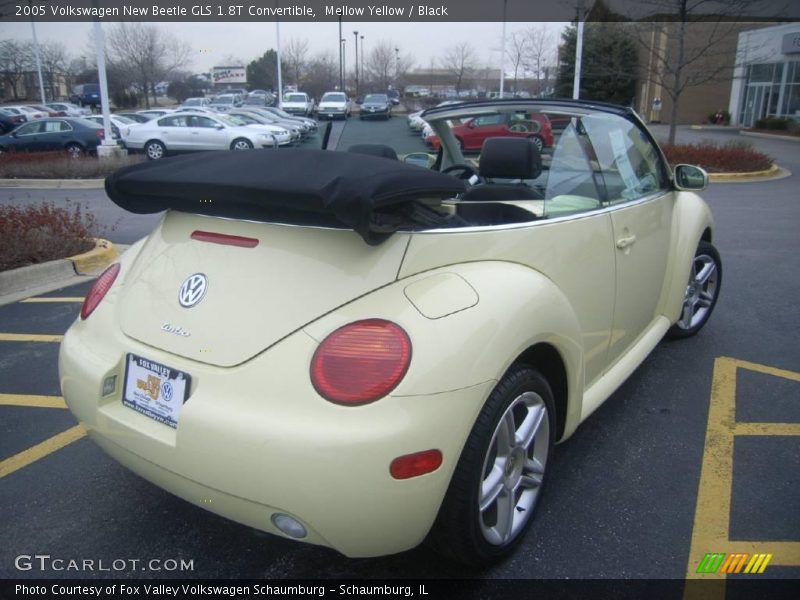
x=702, y=291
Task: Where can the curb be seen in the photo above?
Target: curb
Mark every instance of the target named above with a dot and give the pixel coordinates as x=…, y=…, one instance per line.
x=23, y=278
x=53, y=184
x=774, y=172
x=770, y=136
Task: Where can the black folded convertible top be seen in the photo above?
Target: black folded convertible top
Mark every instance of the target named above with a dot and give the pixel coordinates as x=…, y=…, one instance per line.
x=287, y=185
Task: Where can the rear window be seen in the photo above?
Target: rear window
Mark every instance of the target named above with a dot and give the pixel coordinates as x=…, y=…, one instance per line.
x=333, y=98
x=295, y=98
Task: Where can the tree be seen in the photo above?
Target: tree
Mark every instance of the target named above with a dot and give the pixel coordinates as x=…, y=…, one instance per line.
x=262, y=73
x=143, y=55
x=609, y=64
x=458, y=61
x=385, y=65
x=516, y=52
x=14, y=61
x=540, y=50
x=295, y=55
x=322, y=74
x=688, y=42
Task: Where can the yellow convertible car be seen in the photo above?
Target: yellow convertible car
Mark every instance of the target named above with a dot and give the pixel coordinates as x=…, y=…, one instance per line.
x=352, y=350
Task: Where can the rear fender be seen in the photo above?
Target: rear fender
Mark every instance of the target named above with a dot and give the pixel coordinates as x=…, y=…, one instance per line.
x=468, y=323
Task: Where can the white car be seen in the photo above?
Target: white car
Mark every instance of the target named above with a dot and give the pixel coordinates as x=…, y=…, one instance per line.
x=198, y=102
x=298, y=103
x=349, y=350
x=334, y=105
x=188, y=132
x=120, y=125
x=71, y=110
x=29, y=112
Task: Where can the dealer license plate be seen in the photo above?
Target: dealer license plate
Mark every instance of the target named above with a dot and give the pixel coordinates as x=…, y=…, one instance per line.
x=155, y=390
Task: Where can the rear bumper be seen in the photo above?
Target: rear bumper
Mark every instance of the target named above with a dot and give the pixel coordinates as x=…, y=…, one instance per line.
x=256, y=439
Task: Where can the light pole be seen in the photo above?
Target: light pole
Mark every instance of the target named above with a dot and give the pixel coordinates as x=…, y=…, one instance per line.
x=396, y=66
x=355, y=37
x=503, y=51
x=36, y=52
x=362, y=56
x=576, y=81
x=341, y=58
x=342, y=45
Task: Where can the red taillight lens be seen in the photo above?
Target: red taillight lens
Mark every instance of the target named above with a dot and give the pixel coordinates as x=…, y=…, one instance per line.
x=361, y=362
x=99, y=290
x=101, y=133
x=413, y=465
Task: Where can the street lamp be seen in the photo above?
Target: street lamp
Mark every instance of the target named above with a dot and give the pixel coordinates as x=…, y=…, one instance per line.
x=355, y=36
x=362, y=56
x=341, y=58
x=36, y=53
x=342, y=45
x=396, y=65
x=503, y=52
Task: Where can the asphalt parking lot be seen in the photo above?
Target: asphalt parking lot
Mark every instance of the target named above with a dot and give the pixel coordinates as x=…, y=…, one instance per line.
x=698, y=452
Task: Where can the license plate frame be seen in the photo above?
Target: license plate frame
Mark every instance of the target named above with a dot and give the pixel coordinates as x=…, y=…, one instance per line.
x=154, y=389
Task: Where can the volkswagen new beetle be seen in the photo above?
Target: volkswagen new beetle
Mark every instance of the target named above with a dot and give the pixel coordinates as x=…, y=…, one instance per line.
x=361, y=352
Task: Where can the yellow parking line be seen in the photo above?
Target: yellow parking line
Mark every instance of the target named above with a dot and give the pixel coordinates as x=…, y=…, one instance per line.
x=31, y=455
x=64, y=299
x=32, y=401
x=766, y=429
x=27, y=337
x=711, y=530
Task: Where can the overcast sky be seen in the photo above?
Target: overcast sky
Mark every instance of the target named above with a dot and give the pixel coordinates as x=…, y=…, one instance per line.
x=214, y=42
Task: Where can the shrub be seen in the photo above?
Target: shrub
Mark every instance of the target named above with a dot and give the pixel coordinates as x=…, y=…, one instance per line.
x=774, y=123
x=59, y=165
x=733, y=157
x=42, y=232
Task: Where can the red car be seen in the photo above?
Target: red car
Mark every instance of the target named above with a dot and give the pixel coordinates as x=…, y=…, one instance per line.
x=472, y=132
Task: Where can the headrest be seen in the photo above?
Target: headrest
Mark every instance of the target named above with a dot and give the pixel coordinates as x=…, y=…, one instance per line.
x=510, y=158
x=374, y=150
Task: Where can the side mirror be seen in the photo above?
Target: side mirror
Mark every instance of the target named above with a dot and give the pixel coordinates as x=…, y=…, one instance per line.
x=419, y=159
x=219, y=126
x=471, y=124
x=690, y=178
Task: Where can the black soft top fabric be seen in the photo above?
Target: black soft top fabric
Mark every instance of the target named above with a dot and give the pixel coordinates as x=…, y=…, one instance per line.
x=289, y=185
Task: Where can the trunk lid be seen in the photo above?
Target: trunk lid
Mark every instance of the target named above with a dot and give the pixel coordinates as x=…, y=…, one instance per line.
x=254, y=296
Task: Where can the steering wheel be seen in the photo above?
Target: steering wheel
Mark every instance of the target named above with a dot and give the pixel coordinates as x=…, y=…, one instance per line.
x=467, y=172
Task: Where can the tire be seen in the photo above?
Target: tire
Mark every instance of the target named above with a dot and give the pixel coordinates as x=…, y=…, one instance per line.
x=74, y=150
x=702, y=291
x=538, y=142
x=522, y=401
x=241, y=144
x=155, y=150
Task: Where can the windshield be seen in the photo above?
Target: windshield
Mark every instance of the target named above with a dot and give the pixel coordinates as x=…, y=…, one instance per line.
x=334, y=98
x=194, y=102
x=376, y=98
x=224, y=99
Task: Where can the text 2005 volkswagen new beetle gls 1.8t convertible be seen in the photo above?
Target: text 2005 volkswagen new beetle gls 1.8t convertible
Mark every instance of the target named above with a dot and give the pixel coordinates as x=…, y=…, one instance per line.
x=361, y=352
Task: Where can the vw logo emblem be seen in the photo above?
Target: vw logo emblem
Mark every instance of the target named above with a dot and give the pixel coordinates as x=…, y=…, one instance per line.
x=193, y=289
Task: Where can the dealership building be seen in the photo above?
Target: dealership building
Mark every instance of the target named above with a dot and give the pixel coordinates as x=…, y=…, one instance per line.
x=766, y=79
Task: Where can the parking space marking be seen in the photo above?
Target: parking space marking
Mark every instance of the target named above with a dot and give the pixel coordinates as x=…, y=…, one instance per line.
x=24, y=337
x=32, y=401
x=39, y=451
x=64, y=299
x=711, y=531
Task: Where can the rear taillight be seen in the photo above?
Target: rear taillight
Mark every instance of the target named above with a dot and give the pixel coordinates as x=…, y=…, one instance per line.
x=99, y=290
x=361, y=362
x=101, y=134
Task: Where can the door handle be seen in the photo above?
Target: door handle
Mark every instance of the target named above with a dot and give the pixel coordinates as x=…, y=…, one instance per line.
x=625, y=242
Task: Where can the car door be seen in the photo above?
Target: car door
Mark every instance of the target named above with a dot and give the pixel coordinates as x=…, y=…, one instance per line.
x=640, y=200
x=55, y=135
x=175, y=133
x=26, y=137
x=210, y=134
